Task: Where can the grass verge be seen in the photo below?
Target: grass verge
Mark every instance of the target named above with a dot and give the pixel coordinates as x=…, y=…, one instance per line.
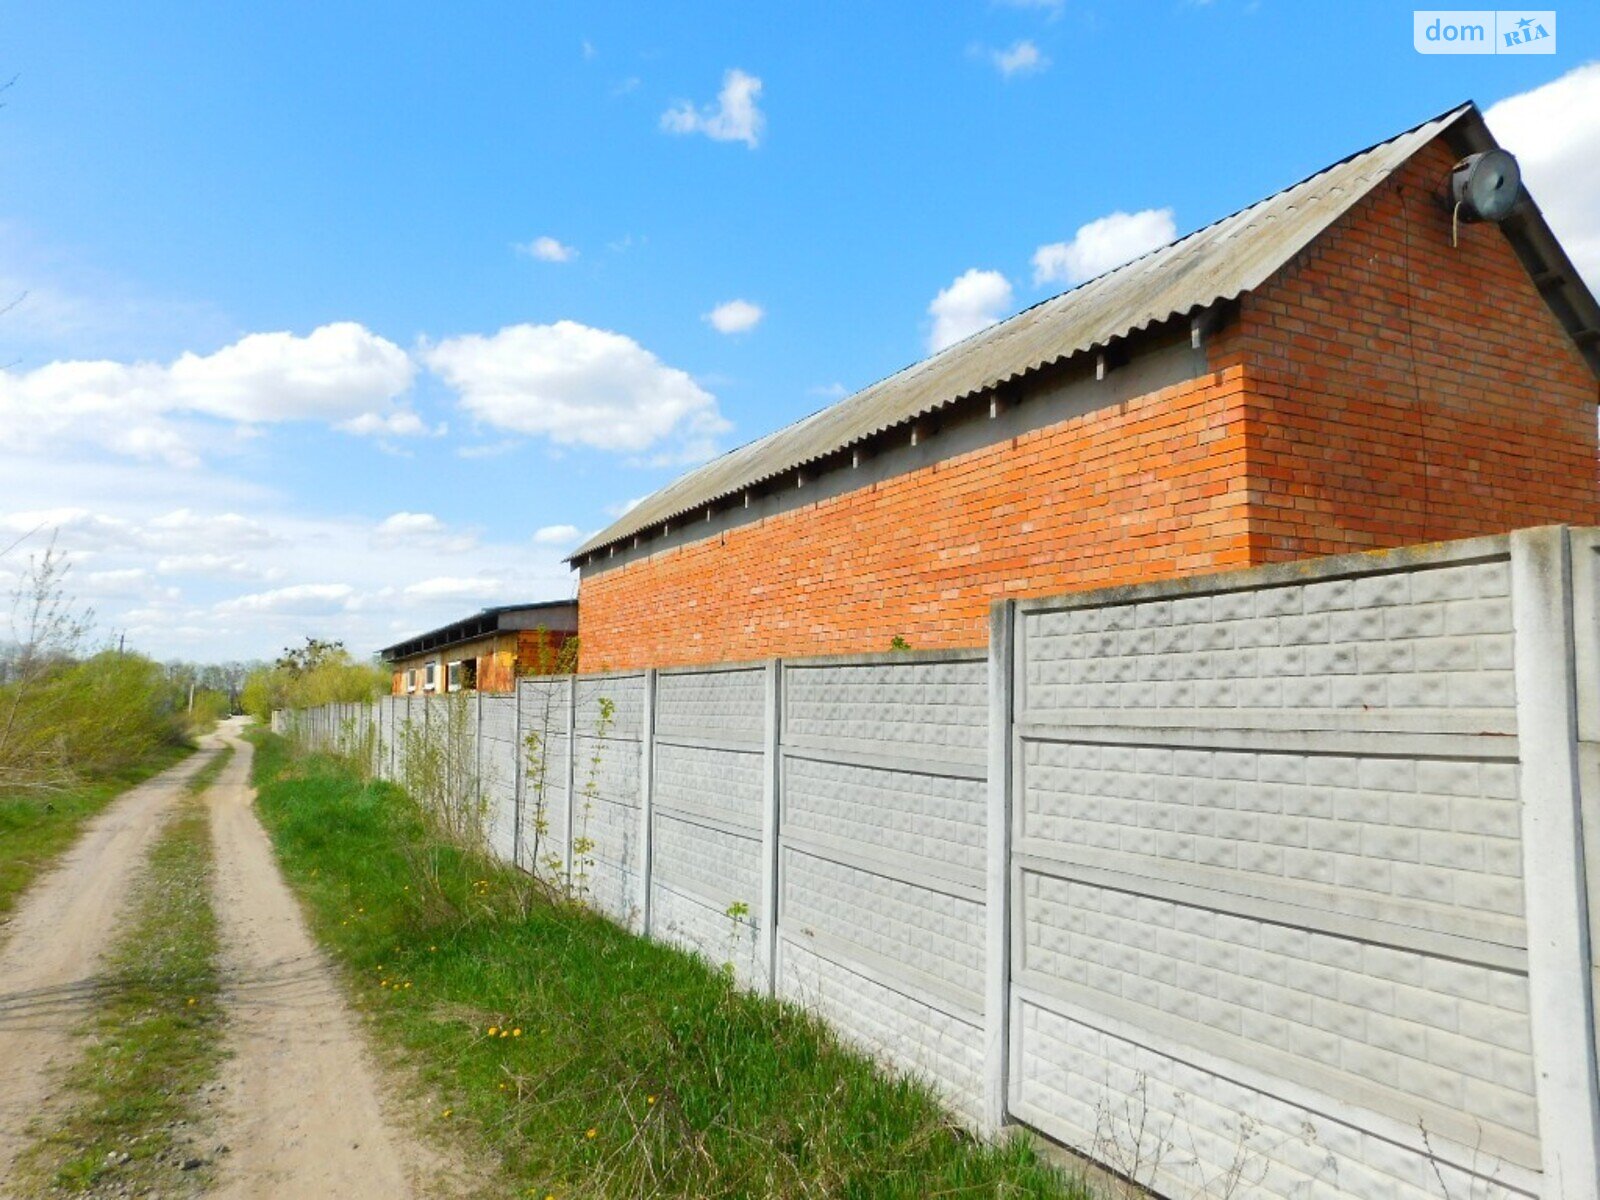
x=591, y=1062
x=202, y=779
x=36, y=830
x=130, y=1124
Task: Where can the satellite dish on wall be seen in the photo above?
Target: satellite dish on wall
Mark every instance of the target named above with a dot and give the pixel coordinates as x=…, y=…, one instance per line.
x=1485, y=187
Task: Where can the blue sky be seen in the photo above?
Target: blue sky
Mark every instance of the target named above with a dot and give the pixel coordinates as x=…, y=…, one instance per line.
x=347, y=322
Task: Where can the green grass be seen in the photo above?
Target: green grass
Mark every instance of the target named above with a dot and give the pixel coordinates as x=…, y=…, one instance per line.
x=129, y=1121
x=208, y=774
x=36, y=830
x=631, y=1069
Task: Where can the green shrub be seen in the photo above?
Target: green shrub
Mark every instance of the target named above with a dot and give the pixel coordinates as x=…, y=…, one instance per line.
x=84, y=720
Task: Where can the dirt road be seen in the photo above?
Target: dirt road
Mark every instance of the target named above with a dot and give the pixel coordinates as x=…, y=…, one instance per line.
x=301, y=1111
x=53, y=946
x=300, y=1106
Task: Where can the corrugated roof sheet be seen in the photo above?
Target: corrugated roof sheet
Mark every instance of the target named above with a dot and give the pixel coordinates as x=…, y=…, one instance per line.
x=1216, y=263
x=481, y=623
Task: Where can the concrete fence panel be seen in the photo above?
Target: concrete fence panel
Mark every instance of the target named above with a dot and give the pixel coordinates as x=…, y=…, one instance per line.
x=706, y=840
x=1266, y=875
x=607, y=845
x=497, y=771
x=546, y=713
x=1277, y=883
x=881, y=856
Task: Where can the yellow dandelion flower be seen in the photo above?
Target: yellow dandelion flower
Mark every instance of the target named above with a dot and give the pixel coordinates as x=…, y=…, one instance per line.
x=505, y=1033
x=493, y=1029
x=408, y=983
x=516, y=1033
x=592, y=1134
x=447, y=1112
x=649, y=1099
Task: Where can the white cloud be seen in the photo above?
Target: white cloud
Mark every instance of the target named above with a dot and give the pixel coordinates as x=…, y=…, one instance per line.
x=735, y=316
x=402, y=422
x=829, y=391
x=488, y=449
x=409, y=530
x=212, y=566
x=451, y=587
x=1020, y=58
x=336, y=373
x=557, y=535
x=973, y=301
x=1102, y=244
x=735, y=118
x=299, y=598
x=198, y=583
x=1554, y=131
x=548, y=249
x=576, y=385
x=125, y=581
x=188, y=530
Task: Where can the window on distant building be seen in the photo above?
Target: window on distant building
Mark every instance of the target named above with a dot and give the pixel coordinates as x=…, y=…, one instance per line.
x=452, y=676
x=411, y=680
x=430, y=677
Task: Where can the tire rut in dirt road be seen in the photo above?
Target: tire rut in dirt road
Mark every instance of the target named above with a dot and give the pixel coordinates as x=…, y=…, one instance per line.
x=301, y=1110
x=51, y=951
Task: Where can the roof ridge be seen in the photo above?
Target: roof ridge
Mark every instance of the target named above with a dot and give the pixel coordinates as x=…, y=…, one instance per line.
x=1143, y=307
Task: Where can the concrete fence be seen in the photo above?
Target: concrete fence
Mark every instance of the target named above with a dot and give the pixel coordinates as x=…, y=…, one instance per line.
x=1270, y=883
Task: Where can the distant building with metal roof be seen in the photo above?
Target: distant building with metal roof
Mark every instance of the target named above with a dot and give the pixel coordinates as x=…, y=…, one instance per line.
x=485, y=651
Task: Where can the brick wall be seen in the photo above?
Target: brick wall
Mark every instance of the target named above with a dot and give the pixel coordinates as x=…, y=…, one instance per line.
x=1152, y=488
x=1383, y=389
x=1403, y=390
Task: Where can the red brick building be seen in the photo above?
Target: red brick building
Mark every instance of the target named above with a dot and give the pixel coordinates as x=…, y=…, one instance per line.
x=1341, y=366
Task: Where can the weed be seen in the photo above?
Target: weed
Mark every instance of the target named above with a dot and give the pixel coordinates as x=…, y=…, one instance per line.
x=583, y=846
x=35, y=830
x=153, y=1041
x=210, y=773
x=638, y=1070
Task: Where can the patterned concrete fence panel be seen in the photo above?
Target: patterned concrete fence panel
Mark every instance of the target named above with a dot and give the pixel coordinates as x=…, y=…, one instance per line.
x=882, y=856
x=707, y=806
x=545, y=707
x=1268, y=916
x=1276, y=883
x=607, y=846
x=497, y=771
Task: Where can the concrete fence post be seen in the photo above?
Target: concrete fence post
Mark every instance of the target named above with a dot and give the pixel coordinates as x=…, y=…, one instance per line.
x=518, y=782
x=771, y=798
x=997, y=881
x=647, y=762
x=572, y=774
x=1560, y=977
x=477, y=753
